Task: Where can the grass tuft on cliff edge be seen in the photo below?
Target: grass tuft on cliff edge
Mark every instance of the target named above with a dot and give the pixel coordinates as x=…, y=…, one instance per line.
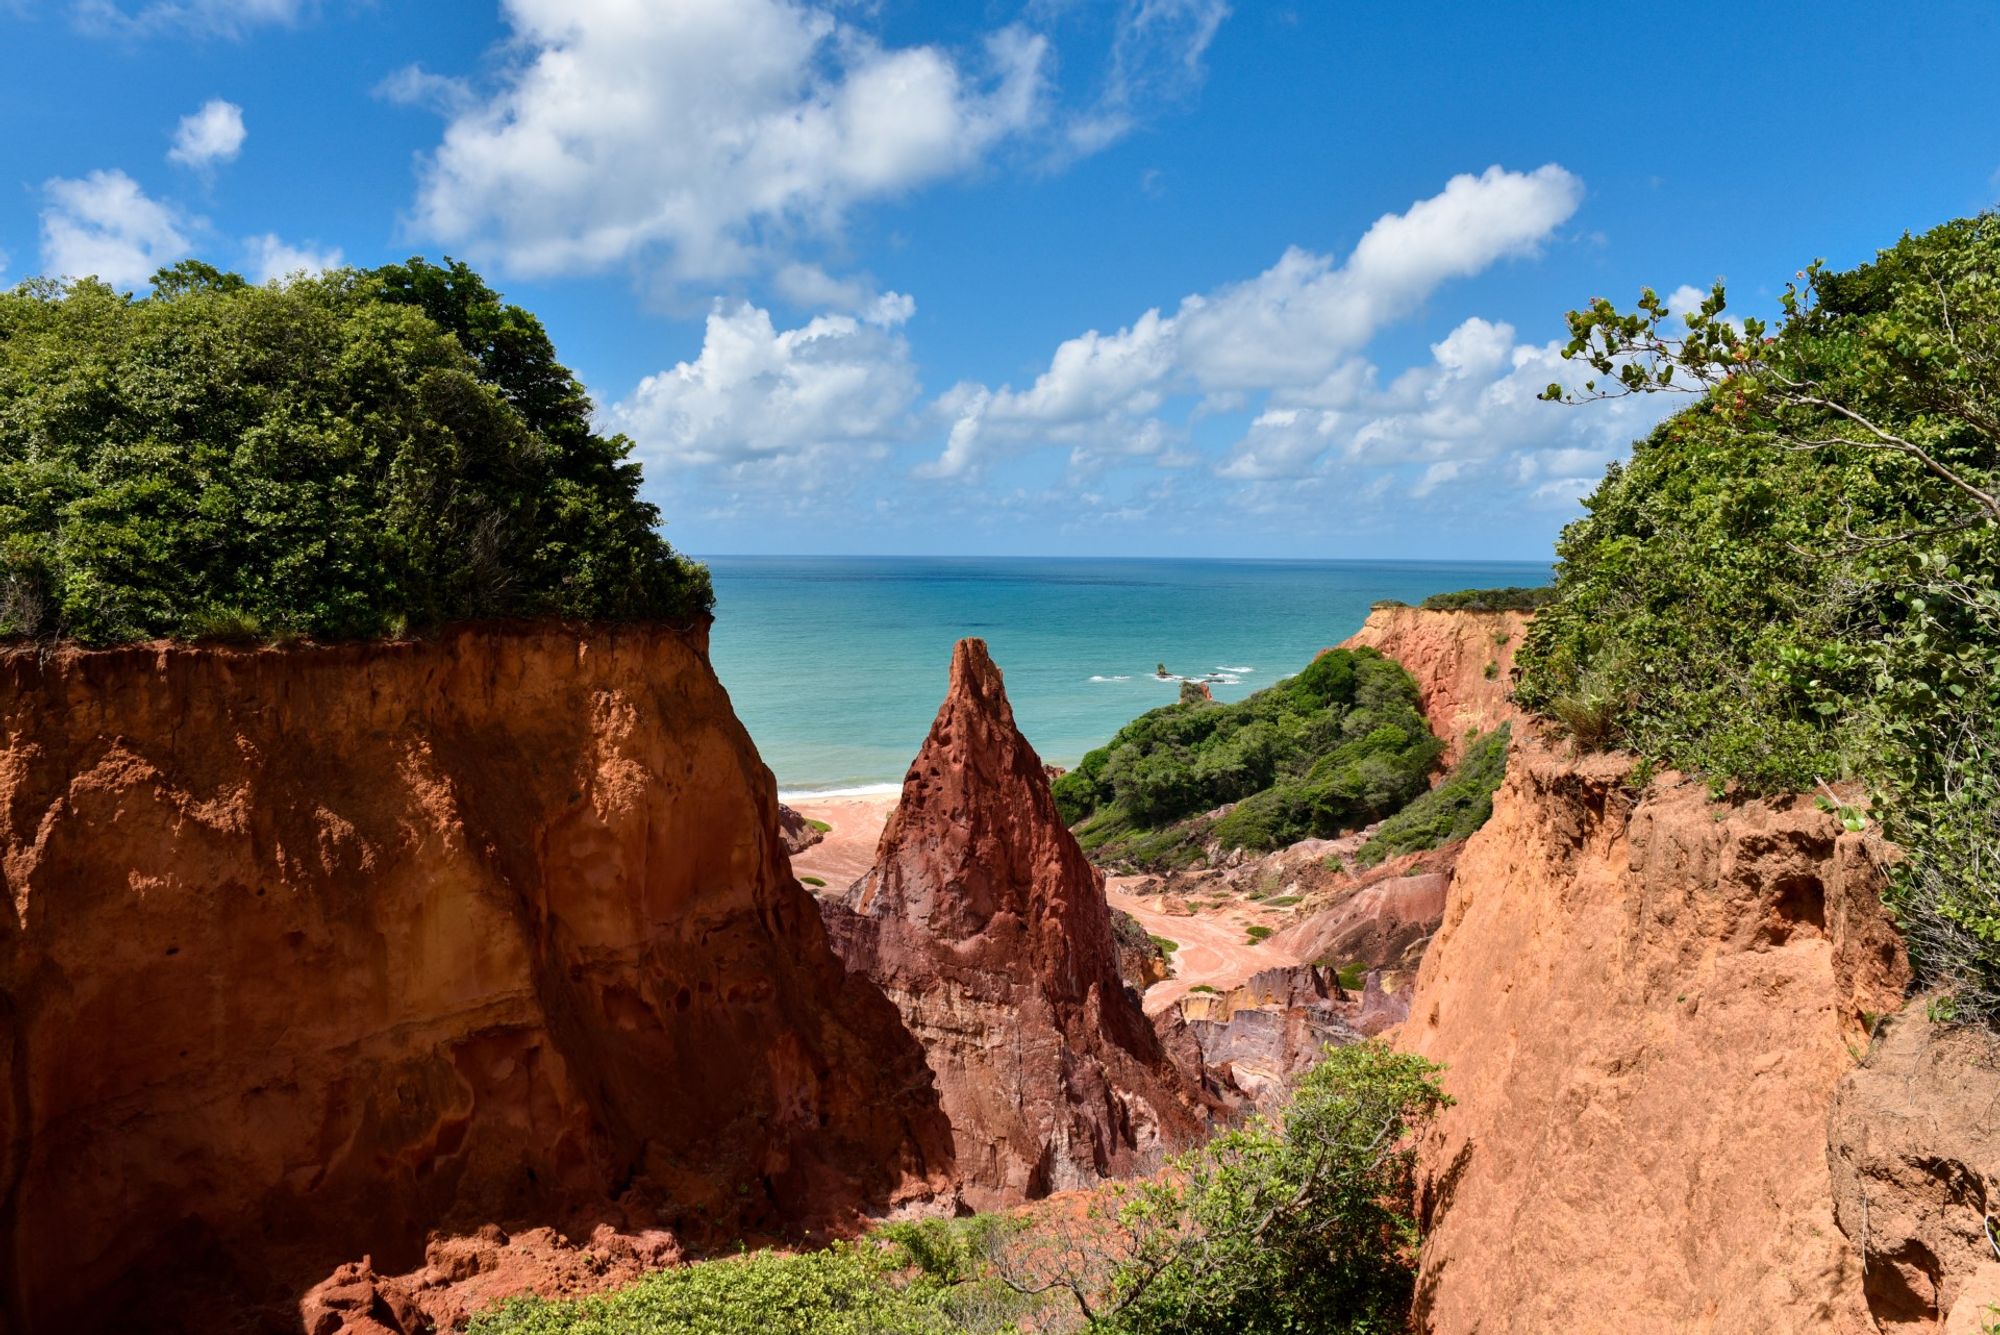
x=365, y=453
x=1796, y=579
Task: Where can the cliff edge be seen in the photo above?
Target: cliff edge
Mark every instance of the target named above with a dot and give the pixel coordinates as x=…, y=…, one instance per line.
x=314, y=950
x=1644, y=1003
x=1463, y=662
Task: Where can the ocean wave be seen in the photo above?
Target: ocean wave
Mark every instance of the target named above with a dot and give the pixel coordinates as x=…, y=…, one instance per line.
x=1111, y=679
x=1234, y=671
x=795, y=795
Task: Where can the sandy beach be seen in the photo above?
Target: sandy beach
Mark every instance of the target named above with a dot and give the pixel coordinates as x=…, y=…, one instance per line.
x=848, y=849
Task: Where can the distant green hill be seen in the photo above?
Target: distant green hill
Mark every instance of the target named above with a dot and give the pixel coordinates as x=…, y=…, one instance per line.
x=1335, y=747
x=361, y=454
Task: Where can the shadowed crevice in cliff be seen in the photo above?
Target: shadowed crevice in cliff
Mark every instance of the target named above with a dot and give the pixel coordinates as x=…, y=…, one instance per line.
x=322, y=949
x=986, y=924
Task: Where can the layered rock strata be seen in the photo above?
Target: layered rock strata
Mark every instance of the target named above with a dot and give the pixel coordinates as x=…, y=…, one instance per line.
x=1644, y=1004
x=1463, y=663
x=315, y=950
x=985, y=923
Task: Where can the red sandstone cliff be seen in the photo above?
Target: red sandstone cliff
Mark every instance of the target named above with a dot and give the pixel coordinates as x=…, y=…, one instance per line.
x=1463, y=663
x=1644, y=1005
x=313, y=950
x=988, y=927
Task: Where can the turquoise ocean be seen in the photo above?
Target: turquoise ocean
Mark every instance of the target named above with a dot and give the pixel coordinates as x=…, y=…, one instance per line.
x=837, y=664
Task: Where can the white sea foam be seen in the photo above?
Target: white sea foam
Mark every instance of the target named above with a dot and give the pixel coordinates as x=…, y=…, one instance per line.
x=1235, y=671
x=825, y=794
x=1111, y=679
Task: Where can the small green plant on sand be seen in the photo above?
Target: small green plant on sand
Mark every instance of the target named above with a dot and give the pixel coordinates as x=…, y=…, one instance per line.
x=1258, y=933
x=813, y=881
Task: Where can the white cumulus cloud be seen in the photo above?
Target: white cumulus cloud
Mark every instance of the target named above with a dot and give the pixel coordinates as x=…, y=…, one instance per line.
x=104, y=225
x=1292, y=332
x=707, y=133
x=208, y=136
x=269, y=256
x=830, y=394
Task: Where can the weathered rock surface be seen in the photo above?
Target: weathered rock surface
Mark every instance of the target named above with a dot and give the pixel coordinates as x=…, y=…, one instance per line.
x=796, y=831
x=1260, y=1037
x=462, y=1275
x=315, y=950
x=1376, y=925
x=1915, y=1152
x=1463, y=663
x=988, y=927
x=1644, y=1007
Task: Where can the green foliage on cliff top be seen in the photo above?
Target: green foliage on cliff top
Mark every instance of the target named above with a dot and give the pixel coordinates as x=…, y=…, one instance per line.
x=354, y=455
x=1513, y=598
x=1797, y=578
x=1336, y=746
x=1451, y=811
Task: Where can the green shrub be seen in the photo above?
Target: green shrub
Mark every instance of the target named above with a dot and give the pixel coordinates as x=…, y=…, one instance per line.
x=1336, y=746
x=821, y=826
x=1257, y=933
x=1449, y=812
x=813, y=881
x=1166, y=946
x=1303, y=1224
x=1510, y=599
x=1282, y=901
x=1204, y=987
x=847, y=1289
x=361, y=454
x=1772, y=594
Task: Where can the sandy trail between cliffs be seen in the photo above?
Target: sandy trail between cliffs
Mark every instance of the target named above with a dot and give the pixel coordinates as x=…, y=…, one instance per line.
x=1215, y=949
x=1214, y=946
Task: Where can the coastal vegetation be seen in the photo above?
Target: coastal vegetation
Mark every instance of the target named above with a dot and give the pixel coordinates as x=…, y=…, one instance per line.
x=1338, y=745
x=1449, y=812
x=1795, y=581
x=365, y=453
x=1300, y=1223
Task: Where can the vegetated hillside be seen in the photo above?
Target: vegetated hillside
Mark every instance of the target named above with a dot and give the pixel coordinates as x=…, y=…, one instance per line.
x=1337, y=746
x=1449, y=812
x=1797, y=579
x=1512, y=598
x=347, y=456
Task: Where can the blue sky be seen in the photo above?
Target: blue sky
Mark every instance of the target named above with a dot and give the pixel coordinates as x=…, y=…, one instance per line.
x=1147, y=277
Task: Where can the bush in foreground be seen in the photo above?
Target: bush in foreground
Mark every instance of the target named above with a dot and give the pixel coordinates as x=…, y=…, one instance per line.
x=1303, y=1224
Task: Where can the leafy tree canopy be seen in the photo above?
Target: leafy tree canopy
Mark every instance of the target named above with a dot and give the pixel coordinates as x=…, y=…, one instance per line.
x=1796, y=580
x=359, y=454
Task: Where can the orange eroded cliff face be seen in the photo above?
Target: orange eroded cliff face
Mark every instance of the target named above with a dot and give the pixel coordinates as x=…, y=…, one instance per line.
x=1644, y=1005
x=1463, y=663
x=314, y=950
x=986, y=924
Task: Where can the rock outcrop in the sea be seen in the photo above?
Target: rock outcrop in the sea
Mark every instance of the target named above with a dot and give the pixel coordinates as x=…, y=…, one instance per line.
x=1644, y=1004
x=316, y=950
x=1463, y=663
x=1915, y=1149
x=987, y=926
